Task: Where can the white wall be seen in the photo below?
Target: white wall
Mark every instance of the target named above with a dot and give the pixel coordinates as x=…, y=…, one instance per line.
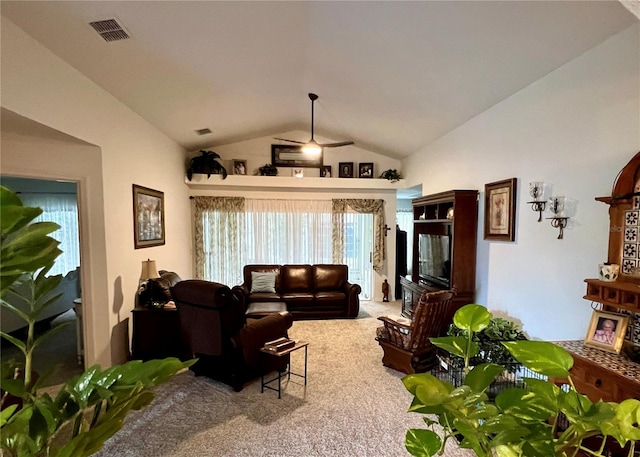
x=575, y=128
x=41, y=87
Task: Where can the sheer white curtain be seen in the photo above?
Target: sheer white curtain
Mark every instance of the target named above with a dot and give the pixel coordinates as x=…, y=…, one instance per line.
x=232, y=232
x=63, y=210
x=288, y=231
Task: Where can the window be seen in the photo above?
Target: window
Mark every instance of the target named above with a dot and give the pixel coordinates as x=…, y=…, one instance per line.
x=63, y=210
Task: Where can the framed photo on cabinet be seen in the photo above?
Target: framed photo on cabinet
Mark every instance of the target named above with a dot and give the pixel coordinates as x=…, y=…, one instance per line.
x=500, y=210
x=606, y=331
x=148, y=217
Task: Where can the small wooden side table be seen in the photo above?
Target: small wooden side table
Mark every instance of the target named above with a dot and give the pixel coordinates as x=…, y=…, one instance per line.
x=156, y=334
x=299, y=345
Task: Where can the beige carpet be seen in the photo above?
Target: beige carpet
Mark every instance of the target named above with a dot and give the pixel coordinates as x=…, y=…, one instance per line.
x=352, y=405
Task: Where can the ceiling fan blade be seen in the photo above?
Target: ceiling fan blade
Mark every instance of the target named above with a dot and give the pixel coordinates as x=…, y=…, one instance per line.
x=290, y=141
x=337, y=145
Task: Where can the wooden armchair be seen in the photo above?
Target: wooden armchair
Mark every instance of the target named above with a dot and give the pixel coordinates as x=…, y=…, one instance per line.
x=405, y=342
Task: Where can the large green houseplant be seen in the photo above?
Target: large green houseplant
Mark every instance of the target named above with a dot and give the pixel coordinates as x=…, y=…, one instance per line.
x=520, y=421
x=89, y=408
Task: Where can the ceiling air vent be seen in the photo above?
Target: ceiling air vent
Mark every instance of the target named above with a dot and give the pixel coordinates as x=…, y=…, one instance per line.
x=203, y=131
x=110, y=30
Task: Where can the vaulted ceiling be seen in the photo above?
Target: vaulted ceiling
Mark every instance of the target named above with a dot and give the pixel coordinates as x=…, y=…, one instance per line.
x=391, y=76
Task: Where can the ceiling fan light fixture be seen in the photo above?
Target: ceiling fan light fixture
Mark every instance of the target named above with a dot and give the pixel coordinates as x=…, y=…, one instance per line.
x=312, y=148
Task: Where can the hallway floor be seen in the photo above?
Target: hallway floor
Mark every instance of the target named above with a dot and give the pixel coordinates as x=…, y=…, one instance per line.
x=59, y=351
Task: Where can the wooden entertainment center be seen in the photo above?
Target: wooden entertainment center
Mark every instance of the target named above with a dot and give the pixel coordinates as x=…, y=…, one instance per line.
x=453, y=213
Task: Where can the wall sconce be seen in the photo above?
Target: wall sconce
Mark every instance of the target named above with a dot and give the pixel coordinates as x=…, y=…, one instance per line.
x=149, y=270
x=536, y=190
x=558, y=220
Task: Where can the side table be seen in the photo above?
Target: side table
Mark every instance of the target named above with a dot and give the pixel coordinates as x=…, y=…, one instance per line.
x=156, y=334
x=299, y=345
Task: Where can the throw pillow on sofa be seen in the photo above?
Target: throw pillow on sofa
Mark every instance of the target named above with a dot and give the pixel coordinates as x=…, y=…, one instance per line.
x=263, y=282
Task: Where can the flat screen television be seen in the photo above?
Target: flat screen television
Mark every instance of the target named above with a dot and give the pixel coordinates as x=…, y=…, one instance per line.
x=434, y=258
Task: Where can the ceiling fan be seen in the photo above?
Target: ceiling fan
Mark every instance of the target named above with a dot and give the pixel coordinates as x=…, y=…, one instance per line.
x=312, y=147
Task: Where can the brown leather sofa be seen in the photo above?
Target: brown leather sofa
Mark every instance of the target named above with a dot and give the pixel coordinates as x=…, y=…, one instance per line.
x=227, y=345
x=309, y=291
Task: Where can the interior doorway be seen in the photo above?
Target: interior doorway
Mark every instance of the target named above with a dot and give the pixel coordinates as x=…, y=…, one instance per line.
x=64, y=349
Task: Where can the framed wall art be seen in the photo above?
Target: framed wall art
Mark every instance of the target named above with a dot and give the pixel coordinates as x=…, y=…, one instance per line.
x=345, y=170
x=365, y=170
x=292, y=156
x=606, y=331
x=239, y=167
x=500, y=210
x=148, y=217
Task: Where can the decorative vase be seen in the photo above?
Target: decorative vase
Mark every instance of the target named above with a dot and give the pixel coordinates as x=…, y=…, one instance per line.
x=608, y=271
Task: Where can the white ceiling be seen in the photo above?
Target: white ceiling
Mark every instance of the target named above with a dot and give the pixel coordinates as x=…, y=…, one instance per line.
x=391, y=76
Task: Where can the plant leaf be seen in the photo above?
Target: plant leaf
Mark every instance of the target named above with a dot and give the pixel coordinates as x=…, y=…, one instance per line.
x=524, y=404
x=541, y=357
x=472, y=318
x=422, y=443
x=456, y=345
x=481, y=376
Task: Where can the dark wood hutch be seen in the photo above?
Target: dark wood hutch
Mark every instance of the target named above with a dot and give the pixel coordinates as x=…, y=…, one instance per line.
x=454, y=212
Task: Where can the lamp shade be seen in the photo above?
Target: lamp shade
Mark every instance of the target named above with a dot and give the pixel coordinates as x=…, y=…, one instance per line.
x=149, y=270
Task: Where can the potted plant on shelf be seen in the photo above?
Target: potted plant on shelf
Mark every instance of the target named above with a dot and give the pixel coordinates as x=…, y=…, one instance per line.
x=392, y=175
x=206, y=163
x=88, y=408
x=268, y=170
x=520, y=421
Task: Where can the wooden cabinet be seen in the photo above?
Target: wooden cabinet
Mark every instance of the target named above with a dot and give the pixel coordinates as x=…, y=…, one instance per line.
x=602, y=375
x=156, y=334
x=614, y=295
x=454, y=214
x=411, y=292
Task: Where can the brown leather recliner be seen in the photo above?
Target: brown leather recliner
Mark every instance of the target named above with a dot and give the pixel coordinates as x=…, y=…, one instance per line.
x=213, y=325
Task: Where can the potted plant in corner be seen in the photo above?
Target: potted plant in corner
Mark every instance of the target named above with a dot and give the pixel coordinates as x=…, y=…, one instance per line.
x=206, y=163
x=89, y=408
x=524, y=421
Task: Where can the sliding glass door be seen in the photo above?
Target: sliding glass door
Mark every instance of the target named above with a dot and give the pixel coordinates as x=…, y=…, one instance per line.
x=358, y=251
x=278, y=232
